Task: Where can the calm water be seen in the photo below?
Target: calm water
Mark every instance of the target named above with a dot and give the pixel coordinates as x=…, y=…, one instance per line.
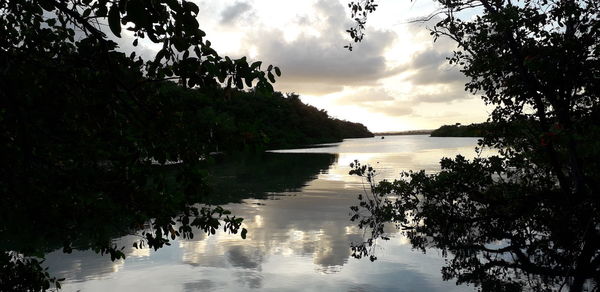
x=296, y=209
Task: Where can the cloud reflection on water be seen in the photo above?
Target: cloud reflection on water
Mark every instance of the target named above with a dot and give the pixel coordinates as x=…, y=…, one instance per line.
x=299, y=242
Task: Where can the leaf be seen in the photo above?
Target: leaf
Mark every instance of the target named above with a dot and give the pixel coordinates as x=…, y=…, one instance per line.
x=190, y=6
x=244, y=232
x=123, y=6
x=255, y=65
x=248, y=81
x=136, y=13
x=135, y=42
x=277, y=71
x=271, y=77
x=161, y=54
x=179, y=43
x=173, y=4
x=46, y=5
x=86, y=13
x=114, y=20
x=101, y=11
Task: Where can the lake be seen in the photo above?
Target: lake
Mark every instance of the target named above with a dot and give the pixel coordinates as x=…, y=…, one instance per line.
x=295, y=204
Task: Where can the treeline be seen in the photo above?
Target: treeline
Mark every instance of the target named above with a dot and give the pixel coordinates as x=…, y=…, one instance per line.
x=458, y=130
x=400, y=133
x=252, y=121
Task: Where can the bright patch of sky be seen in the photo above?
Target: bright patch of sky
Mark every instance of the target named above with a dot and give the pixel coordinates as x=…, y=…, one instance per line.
x=396, y=79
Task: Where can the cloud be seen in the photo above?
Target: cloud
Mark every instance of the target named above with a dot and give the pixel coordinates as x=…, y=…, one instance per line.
x=393, y=109
x=441, y=94
x=320, y=59
x=232, y=13
x=379, y=100
x=366, y=95
x=426, y=78
x=431, y=66
x=285, y=85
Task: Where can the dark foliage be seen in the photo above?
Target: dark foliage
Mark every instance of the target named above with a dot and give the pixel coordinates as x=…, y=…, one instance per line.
x=86, y=132
x=458, y=130
x=254, y=121
x=90, y=135
x=257, y=175
x=527, y=218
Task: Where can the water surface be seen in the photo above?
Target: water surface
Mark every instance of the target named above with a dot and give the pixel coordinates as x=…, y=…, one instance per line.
x=296, y=208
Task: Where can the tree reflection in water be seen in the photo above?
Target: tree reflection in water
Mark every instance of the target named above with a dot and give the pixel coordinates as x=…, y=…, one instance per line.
x=499, y=231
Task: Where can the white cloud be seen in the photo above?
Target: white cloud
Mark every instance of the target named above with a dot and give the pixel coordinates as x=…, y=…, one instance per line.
x=366, y=95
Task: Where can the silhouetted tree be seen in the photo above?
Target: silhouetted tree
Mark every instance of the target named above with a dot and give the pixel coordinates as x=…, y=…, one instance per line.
x=458, y=130
x=528, y=217
x=86, y=130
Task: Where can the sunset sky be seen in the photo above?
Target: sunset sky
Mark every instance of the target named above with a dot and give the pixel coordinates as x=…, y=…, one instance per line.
x=396, y=79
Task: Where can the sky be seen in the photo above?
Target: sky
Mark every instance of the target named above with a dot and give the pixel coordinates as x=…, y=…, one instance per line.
x=396, y=79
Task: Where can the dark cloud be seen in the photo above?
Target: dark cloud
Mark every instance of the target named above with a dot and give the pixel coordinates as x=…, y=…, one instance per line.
x=431, y=67
x=428, y=59
x=311, y=60
x=443, y=95
x=234, y=12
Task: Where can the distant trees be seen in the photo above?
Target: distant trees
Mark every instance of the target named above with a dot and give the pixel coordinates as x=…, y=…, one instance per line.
x=458, y=130
x=297, y=123
x=254, y=121
x=527, y=218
